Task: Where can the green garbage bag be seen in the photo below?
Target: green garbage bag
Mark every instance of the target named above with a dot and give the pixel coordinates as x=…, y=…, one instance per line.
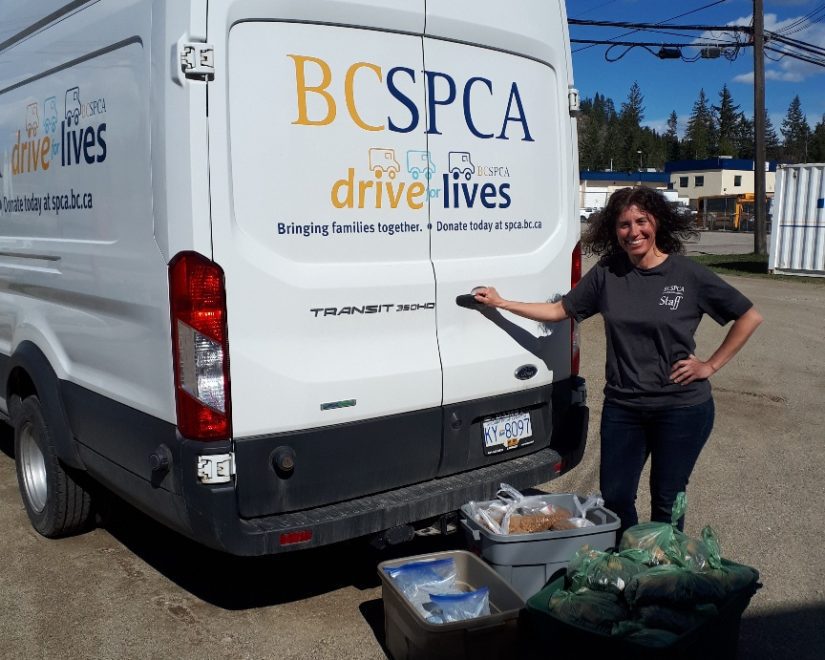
x=673, y=585
x=611, y=572
x=699, y=554
x=661, y=540
x=653, y=637
x=595, y=610
x=577, y=566
x=733, y=578
x=677, y=620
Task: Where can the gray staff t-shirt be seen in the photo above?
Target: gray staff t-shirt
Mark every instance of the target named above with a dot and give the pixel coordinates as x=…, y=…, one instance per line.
x=650, y=317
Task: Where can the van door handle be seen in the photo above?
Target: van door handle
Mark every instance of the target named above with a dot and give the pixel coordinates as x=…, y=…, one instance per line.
x=469, y=301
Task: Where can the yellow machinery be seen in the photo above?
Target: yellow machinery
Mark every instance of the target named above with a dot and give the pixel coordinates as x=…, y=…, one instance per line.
x=728, y=211
x=743, y=209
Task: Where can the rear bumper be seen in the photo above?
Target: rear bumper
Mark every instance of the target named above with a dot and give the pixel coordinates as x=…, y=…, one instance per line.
x=209, y=514
x=374, y=513
x=224, y=530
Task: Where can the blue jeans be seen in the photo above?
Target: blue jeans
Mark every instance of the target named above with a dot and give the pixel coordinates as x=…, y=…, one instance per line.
x=673, y=438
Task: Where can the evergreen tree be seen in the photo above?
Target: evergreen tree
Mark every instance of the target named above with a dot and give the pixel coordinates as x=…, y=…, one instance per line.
x=700, y=135
x=653, y=147
x=630, y=119
x=591, y=142
x=816, y=149
x=615, y=156
x=726, y=123
x=672, y=137
x=744, y=138
x=797, y=132
x=773, y=147
x=592, y=132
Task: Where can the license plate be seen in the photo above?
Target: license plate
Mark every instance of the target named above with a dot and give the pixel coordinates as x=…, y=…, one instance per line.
x=506, y=432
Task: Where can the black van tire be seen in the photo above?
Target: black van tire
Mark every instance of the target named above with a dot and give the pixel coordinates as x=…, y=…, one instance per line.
x=56, y=503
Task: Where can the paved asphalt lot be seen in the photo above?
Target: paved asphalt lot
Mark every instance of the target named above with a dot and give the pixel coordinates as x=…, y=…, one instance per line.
x=135, y=590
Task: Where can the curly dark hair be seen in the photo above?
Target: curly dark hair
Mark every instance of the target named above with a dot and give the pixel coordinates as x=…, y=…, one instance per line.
x=672, y=229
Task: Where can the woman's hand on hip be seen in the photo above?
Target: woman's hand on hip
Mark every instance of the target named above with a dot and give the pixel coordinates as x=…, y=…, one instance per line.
x=686, y=371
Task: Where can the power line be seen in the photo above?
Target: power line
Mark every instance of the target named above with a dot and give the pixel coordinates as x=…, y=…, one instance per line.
x=796, y=43
x=604, y=4
x=797, y=56
x=729, y=48
x=647, y=26
x=804, y=22
x=672, y=18
x=694, y=44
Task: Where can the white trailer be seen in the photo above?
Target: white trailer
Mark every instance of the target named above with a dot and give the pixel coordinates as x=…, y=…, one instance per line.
x=797, y=245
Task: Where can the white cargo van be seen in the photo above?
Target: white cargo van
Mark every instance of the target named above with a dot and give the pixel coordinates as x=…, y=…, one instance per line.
x=213, y=305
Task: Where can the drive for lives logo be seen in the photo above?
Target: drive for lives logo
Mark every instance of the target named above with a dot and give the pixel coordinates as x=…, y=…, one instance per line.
x=54, y=135
x=375, y=183
x=58, y=139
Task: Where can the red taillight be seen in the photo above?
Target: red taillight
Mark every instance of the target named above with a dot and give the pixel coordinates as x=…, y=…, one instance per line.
x=301, y=536
x=575, y=276
x=200, y=348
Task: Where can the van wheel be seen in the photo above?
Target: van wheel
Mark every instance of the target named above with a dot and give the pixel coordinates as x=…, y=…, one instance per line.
x=56, y=503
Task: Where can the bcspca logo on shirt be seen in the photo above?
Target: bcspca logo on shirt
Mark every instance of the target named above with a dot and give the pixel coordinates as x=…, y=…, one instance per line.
x=672, y=296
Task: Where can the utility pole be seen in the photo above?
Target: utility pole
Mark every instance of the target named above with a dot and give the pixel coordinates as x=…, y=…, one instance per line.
x=760, y=239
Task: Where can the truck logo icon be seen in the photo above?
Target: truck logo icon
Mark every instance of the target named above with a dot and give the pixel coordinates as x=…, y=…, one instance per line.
x=73, y=106
x=418, y=163
x=460, y=163
x=383, y=160
x=32, y=120
x=50, y=115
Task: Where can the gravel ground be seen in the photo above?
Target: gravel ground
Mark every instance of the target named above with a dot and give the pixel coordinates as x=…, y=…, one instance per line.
x=135, y=590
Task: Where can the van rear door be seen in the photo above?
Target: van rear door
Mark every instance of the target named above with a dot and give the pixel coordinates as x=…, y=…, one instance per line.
x=322, y=232
x=501, y=136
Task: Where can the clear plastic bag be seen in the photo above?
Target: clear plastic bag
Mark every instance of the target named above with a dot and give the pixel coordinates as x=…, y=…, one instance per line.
x=533, y=513
x=488, y=515
x=446, y=608
x=418, y=580
x=593, y=501
x=514, y=513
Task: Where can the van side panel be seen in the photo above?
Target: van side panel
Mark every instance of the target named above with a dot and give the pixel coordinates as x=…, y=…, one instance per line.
x=81, y=276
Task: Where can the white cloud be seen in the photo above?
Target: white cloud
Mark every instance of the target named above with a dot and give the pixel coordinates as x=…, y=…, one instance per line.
x=770, y=74
x=778, y=67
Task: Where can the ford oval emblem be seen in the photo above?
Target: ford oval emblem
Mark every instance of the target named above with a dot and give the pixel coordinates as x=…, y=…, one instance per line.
x=526, y=372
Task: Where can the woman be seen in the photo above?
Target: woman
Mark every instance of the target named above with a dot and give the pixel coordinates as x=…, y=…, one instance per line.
x=657, y=396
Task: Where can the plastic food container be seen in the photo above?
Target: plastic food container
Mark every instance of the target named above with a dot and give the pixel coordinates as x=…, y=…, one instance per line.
x=409, y=636
x=529, y=561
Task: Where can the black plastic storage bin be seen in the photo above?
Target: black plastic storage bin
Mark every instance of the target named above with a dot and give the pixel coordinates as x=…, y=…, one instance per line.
x=716, y=639
x=410, y=637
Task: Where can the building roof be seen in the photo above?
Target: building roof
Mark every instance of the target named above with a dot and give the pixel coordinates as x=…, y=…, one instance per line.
x=630, y=177
x=715, y=164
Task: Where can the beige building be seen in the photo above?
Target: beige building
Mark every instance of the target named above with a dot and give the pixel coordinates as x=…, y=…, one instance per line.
x=716, y=177
x=595, y=187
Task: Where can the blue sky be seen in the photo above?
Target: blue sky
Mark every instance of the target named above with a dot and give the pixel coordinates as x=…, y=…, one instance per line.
x=669, y=85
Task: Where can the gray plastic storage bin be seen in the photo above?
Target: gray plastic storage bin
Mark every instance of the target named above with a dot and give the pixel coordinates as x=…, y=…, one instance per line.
x=409, y=636
x=529, y=561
